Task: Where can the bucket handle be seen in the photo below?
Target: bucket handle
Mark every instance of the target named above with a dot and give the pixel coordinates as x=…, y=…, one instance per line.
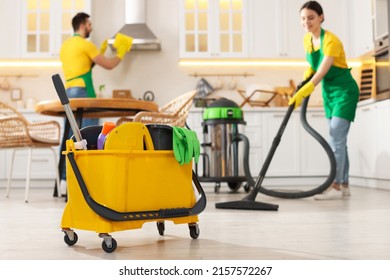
x=116, y=216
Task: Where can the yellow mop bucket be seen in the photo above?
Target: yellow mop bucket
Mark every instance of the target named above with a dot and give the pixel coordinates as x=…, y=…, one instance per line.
x=124, y=186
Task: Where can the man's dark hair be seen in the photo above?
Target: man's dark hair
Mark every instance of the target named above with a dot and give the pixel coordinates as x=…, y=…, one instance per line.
x=79, y=19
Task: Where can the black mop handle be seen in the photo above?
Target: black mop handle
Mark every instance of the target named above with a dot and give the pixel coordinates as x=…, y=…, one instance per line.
x=59, y=86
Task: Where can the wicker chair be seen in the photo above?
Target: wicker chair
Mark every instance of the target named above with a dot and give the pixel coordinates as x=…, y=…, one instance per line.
x=17, y=133
x=174, y=113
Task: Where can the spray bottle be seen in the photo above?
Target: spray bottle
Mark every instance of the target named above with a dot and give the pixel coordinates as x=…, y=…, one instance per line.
x=107, y=127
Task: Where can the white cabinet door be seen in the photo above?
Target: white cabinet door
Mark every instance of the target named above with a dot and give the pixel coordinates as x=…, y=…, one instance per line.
x=382, y=165
x=314, y=160
x=46, y=24
x=275, y=29
x=362, y=143
x=361, y=39
x=253, y=131
x=286, y=160
x=213, y=29
x=9, y=29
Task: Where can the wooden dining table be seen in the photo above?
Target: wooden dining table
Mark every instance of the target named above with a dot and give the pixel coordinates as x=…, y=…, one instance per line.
x=91, y=108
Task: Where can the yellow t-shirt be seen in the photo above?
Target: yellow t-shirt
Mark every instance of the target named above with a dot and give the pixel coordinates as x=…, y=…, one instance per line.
x=77, y=56
x=332, y=46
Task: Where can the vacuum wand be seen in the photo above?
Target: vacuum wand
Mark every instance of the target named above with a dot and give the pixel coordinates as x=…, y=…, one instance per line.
x=249, y=202
x=59, y=86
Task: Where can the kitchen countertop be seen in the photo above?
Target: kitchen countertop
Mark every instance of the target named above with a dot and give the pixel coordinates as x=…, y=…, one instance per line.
x=267, y=109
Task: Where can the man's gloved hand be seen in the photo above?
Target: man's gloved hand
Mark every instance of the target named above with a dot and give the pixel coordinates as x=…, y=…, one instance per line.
x=103, y=47
x=303, y=92
x=308, y=73
x=122, y=44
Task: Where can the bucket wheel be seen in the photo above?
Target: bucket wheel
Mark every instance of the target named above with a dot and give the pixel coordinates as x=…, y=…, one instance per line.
x=194, y=230
x=70, y=237
x=108, y=244
x=161, y=227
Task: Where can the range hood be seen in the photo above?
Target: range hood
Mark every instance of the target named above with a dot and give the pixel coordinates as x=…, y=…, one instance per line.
x=135, y=26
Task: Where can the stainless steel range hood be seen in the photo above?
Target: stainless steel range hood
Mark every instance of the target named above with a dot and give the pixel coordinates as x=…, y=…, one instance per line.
x=135, y=26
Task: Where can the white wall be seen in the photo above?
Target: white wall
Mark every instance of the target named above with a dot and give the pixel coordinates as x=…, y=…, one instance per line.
x=157, y=71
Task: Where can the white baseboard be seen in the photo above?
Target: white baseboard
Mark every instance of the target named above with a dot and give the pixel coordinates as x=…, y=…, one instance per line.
x=370, y=183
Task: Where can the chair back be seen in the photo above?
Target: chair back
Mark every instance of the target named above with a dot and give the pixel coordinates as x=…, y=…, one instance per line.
x=13, y=130
x=174, y=113
x=8, y=111
x=16, y=131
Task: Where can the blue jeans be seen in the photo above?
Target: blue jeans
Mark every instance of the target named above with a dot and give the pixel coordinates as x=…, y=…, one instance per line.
x=338, y=132
x=78, y=92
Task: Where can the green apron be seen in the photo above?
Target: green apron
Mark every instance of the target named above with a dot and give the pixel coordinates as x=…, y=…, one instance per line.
x=87, y=77
x=340, y=91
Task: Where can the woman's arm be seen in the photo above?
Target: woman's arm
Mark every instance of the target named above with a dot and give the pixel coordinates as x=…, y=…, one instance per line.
x=326, y=63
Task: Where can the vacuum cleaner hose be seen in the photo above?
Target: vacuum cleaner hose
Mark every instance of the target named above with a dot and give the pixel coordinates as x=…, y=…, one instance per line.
x=296, y=194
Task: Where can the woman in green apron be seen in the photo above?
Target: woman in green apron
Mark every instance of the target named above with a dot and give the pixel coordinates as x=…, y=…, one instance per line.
x=340, y=92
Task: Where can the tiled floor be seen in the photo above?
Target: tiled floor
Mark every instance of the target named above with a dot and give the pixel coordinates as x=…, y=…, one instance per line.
x=357, y=228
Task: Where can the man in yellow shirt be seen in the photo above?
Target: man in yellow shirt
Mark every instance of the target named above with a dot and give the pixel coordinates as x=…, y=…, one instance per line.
x=78, y=55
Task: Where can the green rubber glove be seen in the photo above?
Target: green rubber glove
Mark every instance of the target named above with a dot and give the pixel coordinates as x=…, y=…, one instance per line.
x=303, y=92
x=178, y=145
x=196, y=145
x=192, y=144
x=189, y=148
x=308, y=73
x=103, y=47
x=122, y=44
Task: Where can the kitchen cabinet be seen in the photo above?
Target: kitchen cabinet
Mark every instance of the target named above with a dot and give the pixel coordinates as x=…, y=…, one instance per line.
x=286, y=160
x=42, y=164
x=361, y=38
x=46, y=24
x=370, y=151
x=213, y=29
x=362, y=146
x=10, y=37
x=314, y=160
x=380, y=18
x=252, y=130
x=275, y=29
x=383, y=140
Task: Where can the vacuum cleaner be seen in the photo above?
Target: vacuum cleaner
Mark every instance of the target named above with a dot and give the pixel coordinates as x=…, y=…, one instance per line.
x=220, y=157
x=249, y=201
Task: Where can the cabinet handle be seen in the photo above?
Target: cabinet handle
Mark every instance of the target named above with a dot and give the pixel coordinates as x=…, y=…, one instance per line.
x=278, y=115
x=40, y=160
x=365, y=109
x=317, y=115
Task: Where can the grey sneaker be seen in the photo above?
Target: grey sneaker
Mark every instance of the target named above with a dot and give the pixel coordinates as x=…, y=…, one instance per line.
x=345, y=190
x=330, y=194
